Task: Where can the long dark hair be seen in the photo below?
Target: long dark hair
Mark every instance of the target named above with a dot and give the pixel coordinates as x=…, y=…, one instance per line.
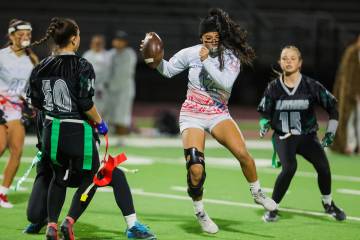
x=231, y=36
x=60, y=30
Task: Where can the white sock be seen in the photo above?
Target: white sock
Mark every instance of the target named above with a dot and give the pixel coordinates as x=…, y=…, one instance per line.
x=254, y=186
x=4, y=190
x=198, y=206
x=130, y=220
x=327, y=199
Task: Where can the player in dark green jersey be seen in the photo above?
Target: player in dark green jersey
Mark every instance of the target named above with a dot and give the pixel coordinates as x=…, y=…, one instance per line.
x=288, y=107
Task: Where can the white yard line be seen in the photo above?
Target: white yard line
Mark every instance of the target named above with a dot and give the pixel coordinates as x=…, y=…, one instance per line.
x=348, y=191
x=141, y=192
x=231, y=203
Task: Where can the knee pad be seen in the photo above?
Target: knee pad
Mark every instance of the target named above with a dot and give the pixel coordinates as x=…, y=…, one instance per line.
x=193, y=156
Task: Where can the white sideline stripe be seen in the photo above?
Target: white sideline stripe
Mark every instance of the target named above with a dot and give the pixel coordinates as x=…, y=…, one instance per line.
x=164, y=142
x=231, y=203
x=348, y=191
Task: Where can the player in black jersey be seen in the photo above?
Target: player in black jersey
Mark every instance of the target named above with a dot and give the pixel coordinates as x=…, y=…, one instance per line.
x=288, y=108
x=61, y=86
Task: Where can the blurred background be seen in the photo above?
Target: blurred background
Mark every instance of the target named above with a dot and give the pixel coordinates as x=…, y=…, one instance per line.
x=321, y=29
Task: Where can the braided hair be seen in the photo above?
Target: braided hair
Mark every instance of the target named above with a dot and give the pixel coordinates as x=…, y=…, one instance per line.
x=231, y=36
x=60, y=30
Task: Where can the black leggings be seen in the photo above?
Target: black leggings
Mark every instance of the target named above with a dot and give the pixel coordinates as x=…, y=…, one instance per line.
x=37, y=210
x=310, y=148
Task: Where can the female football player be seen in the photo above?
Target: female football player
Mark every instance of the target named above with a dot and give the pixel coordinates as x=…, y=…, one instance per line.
x=15, y=68
x=213, y=68
x=62, y=87
x=288, y=108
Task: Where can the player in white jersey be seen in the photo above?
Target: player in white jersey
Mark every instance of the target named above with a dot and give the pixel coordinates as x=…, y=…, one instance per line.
x=100, y=59
x=213, y=67
x=15, y=68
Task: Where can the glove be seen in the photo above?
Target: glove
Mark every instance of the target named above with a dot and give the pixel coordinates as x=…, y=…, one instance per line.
x=328, y=139
x=264, y=126
x=27, y=113
x=102, y=128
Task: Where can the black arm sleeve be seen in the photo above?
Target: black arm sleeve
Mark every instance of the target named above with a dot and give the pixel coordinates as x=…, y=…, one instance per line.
x=86, y=90
x=326, y=101
x=33, y=92
x=267, y=104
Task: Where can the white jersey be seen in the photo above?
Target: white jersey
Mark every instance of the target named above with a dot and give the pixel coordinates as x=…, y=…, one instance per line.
x=14, y=73
x=209, y=88
x=101, y=63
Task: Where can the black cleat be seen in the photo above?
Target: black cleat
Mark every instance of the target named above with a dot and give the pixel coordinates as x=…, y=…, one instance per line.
x=334, y=211
x=34, y=228
x=271, y=216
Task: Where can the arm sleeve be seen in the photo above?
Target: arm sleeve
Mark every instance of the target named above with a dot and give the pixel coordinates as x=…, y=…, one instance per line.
x=267, y=104
x=86, y=90
x=33, y=92
x=329, y=103
x=326, y=101
x=225, y=78
x=178, y=63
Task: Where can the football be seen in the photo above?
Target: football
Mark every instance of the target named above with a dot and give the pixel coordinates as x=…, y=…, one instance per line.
x=152, y=49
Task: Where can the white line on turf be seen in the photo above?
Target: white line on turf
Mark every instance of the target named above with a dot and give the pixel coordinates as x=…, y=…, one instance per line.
x=348, y=191
x=228, y=163
x=231, y=203
x=141, y=192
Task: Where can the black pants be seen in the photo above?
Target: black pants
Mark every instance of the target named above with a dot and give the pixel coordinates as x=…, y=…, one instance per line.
x=37, y=210
x=310, y=148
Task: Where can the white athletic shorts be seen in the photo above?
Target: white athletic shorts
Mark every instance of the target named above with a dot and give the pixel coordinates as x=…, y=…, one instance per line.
x=11, y=112
x=206, y=124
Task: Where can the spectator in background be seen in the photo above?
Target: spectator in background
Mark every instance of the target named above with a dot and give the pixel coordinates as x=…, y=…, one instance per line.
x=121, y=84
x=347, y=91
x=99, y=58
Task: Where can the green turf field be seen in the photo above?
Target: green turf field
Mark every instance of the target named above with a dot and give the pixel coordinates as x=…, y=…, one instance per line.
x=161, y=201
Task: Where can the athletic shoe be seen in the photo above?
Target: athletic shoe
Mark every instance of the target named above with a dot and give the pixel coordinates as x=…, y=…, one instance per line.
x=34, y=228
x=334, y=211
x=4, y=202
x=207, y=225
x=140, y=231
x=271, y=216
x=262, y=199
x=66, y=229
x=51, y=232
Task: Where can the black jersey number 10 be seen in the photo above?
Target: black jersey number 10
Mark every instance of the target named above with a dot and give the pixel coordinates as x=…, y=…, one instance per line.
x=58, y=96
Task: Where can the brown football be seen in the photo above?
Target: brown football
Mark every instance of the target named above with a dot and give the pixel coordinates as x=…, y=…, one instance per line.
x=153, y=49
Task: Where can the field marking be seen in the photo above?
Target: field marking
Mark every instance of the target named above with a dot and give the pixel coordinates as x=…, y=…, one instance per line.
x=228, y=163
x=141, y=192
x=348, y=191
x=231, y=203
x=184, y=189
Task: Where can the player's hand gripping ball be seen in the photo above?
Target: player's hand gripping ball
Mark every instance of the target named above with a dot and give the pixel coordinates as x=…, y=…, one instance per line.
x=152, y=49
